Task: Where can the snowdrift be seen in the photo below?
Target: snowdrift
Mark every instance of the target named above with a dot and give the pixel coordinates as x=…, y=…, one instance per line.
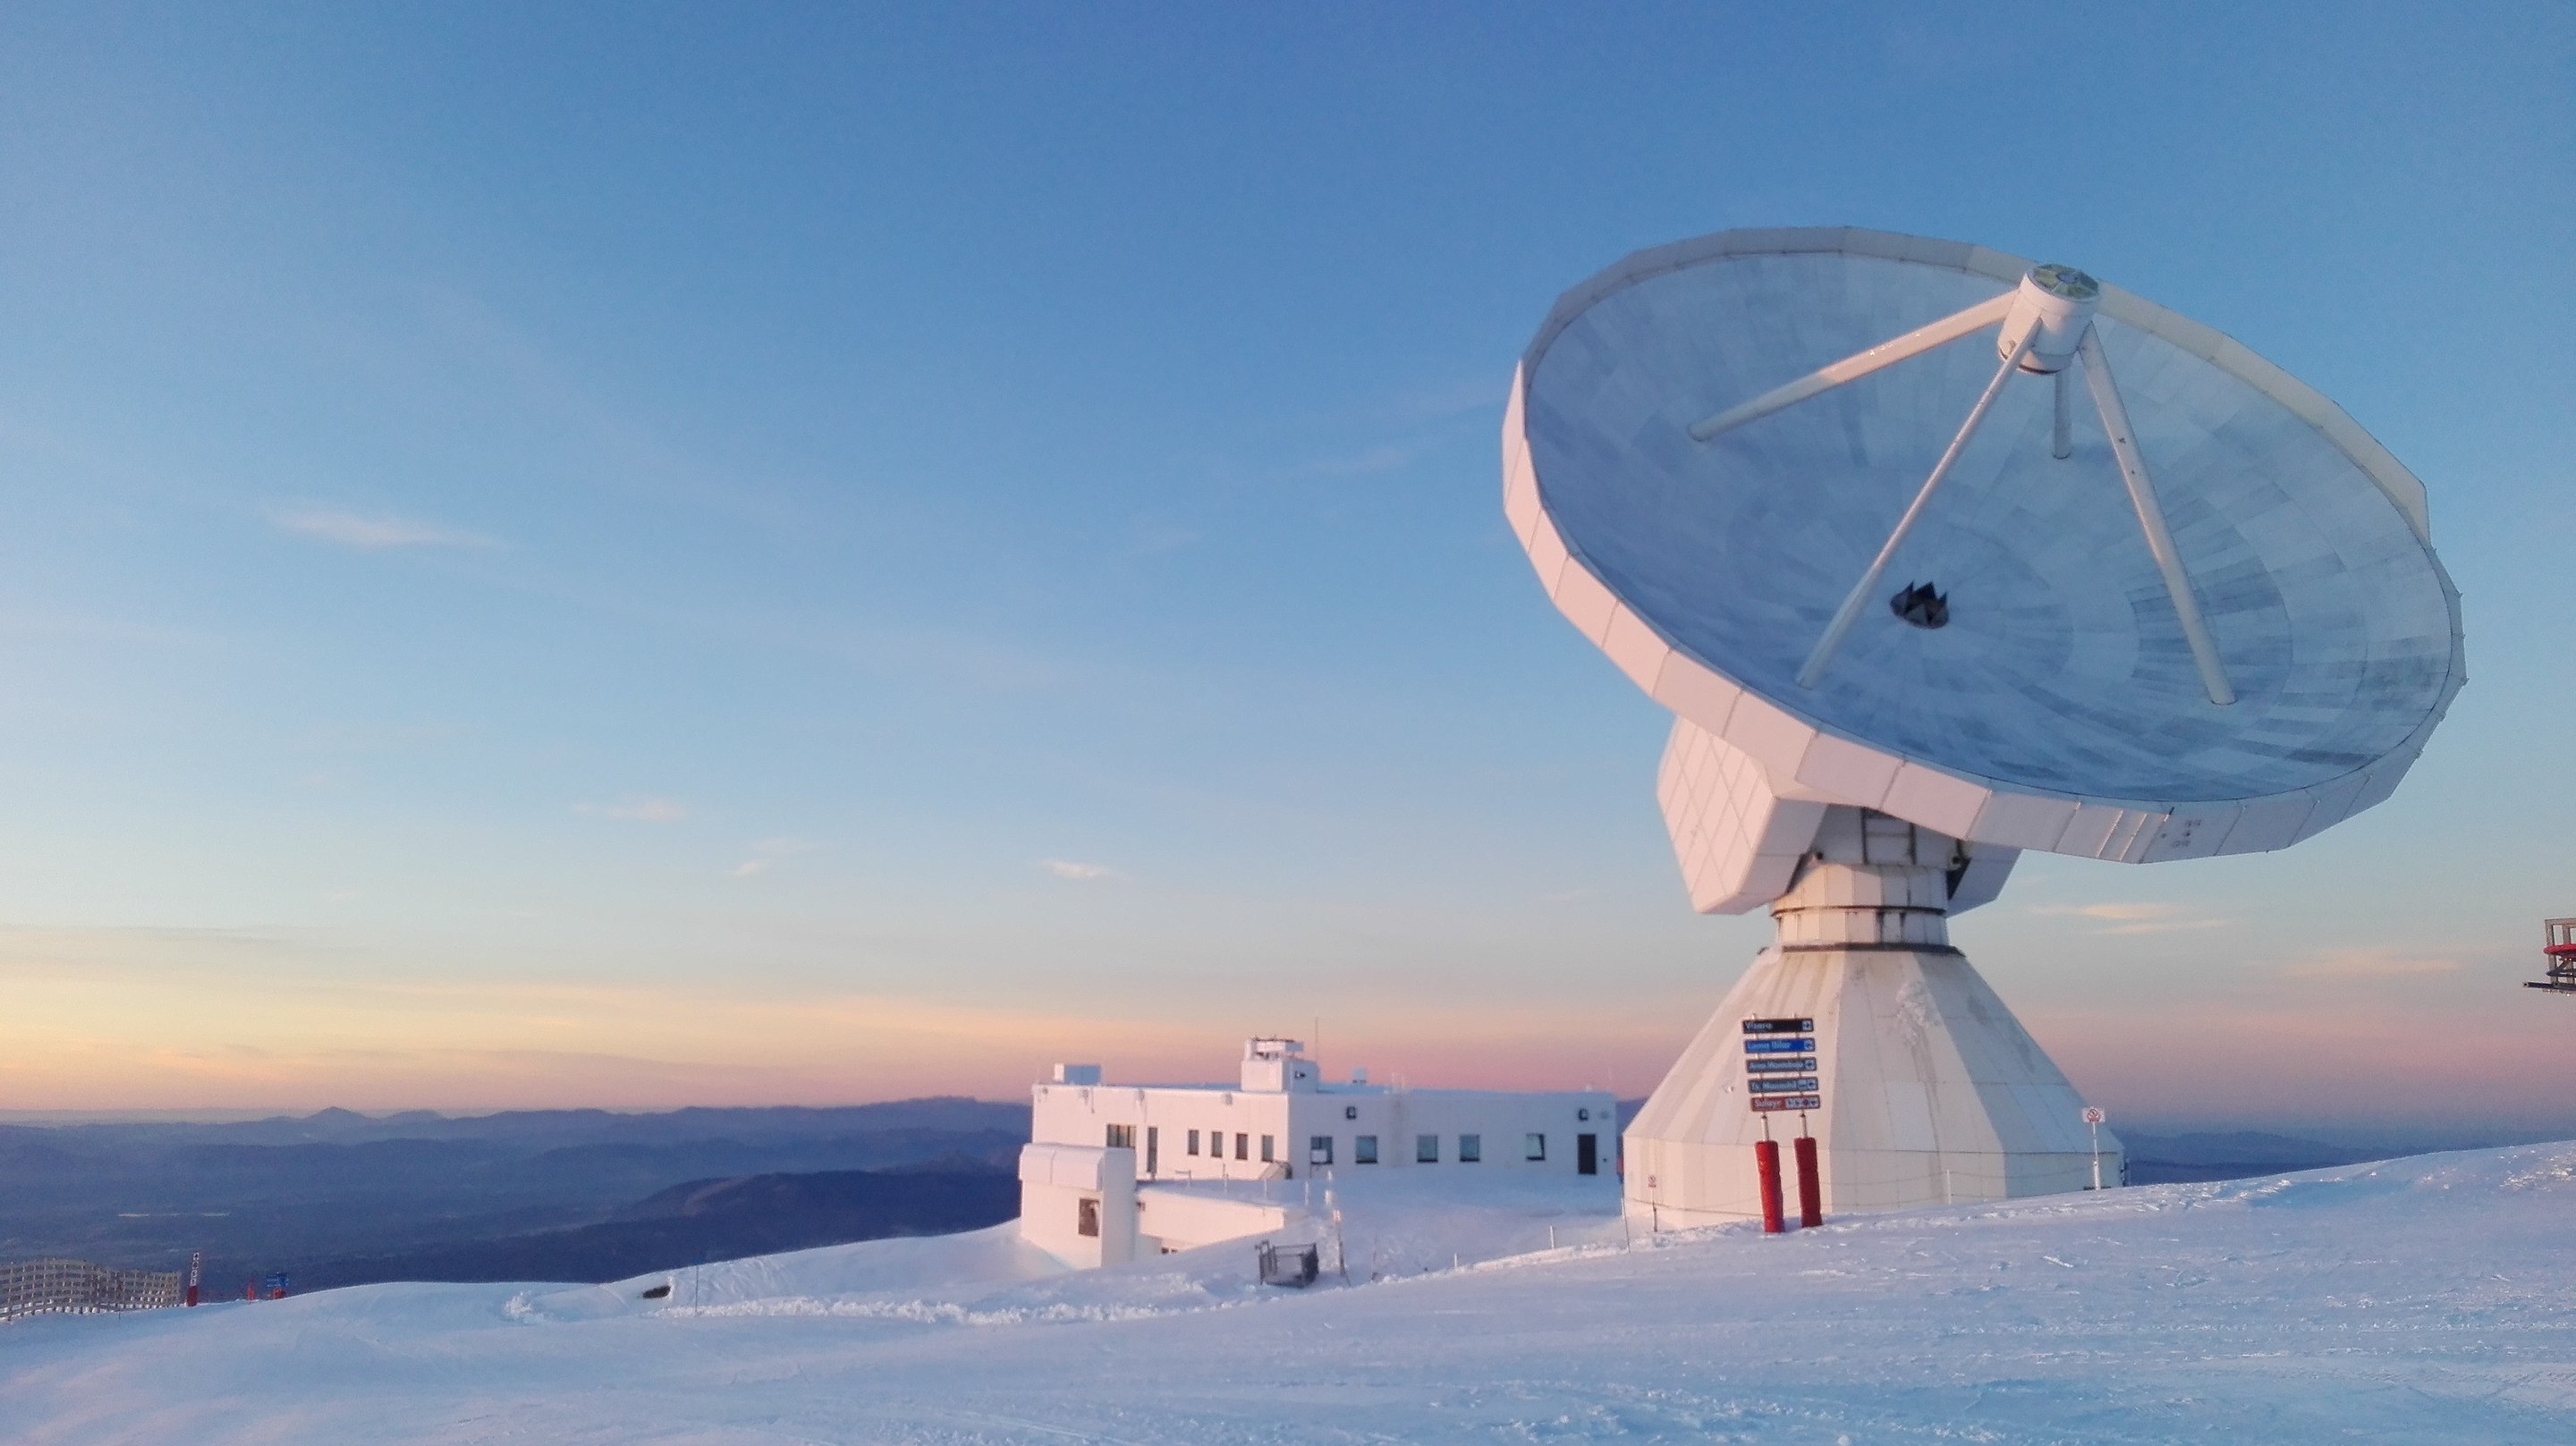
x=2429, y=1299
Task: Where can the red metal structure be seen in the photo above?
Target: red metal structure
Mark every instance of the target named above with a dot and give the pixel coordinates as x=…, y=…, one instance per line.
x=2558, y=946
x=1811, y=1191
x=1766, y=1164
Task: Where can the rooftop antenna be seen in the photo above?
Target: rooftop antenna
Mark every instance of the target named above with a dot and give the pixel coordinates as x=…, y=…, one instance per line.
x=1914, y=615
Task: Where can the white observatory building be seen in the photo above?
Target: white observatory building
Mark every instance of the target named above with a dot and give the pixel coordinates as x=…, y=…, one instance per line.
x=1112, y=1172
x=1938, y=556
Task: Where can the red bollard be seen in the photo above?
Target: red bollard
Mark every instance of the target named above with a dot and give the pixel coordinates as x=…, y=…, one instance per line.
x=1766, y=1158
x=192, y=1295
x=1811, y=1187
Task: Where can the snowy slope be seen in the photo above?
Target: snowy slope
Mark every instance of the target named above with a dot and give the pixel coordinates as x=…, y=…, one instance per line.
x=2428, y=1299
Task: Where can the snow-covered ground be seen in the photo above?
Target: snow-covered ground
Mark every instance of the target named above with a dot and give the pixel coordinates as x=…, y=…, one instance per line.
x=2429, y=1299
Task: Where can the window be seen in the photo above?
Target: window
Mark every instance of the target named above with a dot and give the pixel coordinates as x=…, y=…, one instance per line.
x=1319, y=1150
x=1350, y=1112
x=1471, y=1148
x=1122, y=1137
x=1426, y=1149
x=1086, y=1220
x=1153, y=1149
x=1268, y=1152
x=1194, y=1142
x=1243, y=1147
x=1364, y=1150
x=1534, y=1147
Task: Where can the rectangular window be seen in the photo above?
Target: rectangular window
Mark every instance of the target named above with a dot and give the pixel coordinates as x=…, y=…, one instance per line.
x=1319, y=1150
x=1122, y=1137
x=1086, y=1219
x=1269, y=1148
x=1364, y=1150
x=1535, y=1147
x=1243, y=1147
x=1153, y=1149
x=1426, y=1149
x=1194, y=1142
x=1471, y=1148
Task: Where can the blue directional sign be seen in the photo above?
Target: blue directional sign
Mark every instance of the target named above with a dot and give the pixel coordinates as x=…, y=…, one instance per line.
x=1779, y=1046
x=1797, y=1086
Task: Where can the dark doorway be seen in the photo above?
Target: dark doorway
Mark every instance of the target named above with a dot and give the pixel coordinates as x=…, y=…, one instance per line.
x=1587, y=1154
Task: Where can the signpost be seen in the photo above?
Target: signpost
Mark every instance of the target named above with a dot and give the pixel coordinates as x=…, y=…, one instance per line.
x=1780, y=1074
x=2093, y=1118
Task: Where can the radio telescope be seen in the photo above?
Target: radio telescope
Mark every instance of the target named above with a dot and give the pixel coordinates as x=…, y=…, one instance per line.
x=1937, y=556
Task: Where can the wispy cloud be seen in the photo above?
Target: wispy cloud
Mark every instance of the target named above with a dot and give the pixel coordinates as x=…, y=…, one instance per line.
x=635, y=808
x=1370, y=461
x=942, y=655
x=371, y=534
x=770, y=852
x=2369, y=963
x=2130, y=919
x=1450, y=399
x=2117, y=913
x=1077, y=873
x=1155, y=536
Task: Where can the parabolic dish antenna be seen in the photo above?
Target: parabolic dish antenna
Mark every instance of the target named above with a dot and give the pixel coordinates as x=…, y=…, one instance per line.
x=1940, y=554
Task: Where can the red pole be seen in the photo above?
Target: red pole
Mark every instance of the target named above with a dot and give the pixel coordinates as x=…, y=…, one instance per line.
x=1811, y=1188
x=1766, y=1159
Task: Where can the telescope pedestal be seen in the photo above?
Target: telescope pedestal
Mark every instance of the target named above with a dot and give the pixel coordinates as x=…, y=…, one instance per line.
x=1932, y=1093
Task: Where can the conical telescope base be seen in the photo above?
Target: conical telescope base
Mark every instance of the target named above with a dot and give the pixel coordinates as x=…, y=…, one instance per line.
x=1928, y=1091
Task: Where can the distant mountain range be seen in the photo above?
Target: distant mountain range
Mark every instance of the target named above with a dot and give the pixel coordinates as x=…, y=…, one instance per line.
x=2233, y=1155
x=354, y=1195
x=342, y=1198
x=705, y=1220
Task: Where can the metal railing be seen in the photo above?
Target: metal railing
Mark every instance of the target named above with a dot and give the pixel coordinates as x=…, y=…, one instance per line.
x=77, y=1287
x=1294, y=1265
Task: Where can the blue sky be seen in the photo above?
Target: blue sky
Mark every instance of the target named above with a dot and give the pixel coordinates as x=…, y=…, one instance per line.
x=653, y=554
